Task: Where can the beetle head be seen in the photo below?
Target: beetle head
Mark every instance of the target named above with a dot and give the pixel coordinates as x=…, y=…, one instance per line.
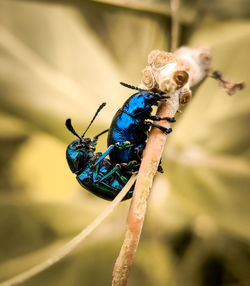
x=81, y=150
x=153, y=98
x=79, y=153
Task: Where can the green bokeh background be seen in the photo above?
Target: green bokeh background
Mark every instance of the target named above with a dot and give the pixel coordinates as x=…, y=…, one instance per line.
x=61, y=59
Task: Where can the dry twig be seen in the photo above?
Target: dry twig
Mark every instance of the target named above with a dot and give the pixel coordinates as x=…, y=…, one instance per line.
x=229, y=86
x=148, y=168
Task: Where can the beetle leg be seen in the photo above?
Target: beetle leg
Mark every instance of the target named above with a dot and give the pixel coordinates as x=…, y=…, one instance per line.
x=139, y=149
x=157, y=118
x=95, y=139
x=124, y=145
x=131, y=166
x=114, y=170
x=163, y=129
x=122, y=178
x=160, y=169
x=111, y=147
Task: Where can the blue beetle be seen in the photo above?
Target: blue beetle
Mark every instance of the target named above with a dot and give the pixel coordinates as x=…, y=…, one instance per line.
x=130, y=125
x=95, y=173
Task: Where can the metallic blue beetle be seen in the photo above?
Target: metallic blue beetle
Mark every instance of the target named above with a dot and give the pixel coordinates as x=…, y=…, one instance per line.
x=129, y=125
x=95, y=173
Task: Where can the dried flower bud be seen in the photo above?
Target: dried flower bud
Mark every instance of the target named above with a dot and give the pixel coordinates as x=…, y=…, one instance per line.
x=148, y=78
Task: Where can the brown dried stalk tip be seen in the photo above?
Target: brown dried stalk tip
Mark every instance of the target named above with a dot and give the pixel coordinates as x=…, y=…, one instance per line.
x=230, y=87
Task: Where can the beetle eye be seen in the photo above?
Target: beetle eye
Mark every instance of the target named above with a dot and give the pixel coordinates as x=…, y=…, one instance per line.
x=149, y=96
x=181, y=78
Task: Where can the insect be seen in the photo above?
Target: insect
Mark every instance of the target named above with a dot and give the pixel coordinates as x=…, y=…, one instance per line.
x=130, y=125
x=93, y=171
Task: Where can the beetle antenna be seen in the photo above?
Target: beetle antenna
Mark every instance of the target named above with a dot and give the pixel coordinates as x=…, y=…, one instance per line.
x=101, y=133
x=132, y=87
x=71, y=129
x=96, y=137
x=98, y=110
x=141, y=89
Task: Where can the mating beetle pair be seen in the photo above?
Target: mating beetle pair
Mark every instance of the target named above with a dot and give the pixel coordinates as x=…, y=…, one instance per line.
x=126, y=140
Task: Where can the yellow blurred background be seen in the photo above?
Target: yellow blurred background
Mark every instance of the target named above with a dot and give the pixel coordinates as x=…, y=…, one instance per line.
x=61, y=59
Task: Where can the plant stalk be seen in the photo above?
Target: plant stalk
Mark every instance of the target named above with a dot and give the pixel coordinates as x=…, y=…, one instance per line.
x=151, y=158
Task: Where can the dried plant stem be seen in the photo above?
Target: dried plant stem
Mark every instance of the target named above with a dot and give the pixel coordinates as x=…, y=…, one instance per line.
x=163, y=68
x=163, y=72
x=72, y=244
x=175, y=6
x=148, y=168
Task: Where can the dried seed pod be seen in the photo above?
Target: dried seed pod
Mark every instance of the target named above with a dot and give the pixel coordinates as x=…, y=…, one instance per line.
x=185, y=96
x=152, y=56
x=180, y=77
x=162, y=59
x=170, y=78
x=165, y=86
x=164, y=77
x=148, y=78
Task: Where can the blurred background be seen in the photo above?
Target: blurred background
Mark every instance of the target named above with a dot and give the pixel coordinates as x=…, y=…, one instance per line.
x=61, y=59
